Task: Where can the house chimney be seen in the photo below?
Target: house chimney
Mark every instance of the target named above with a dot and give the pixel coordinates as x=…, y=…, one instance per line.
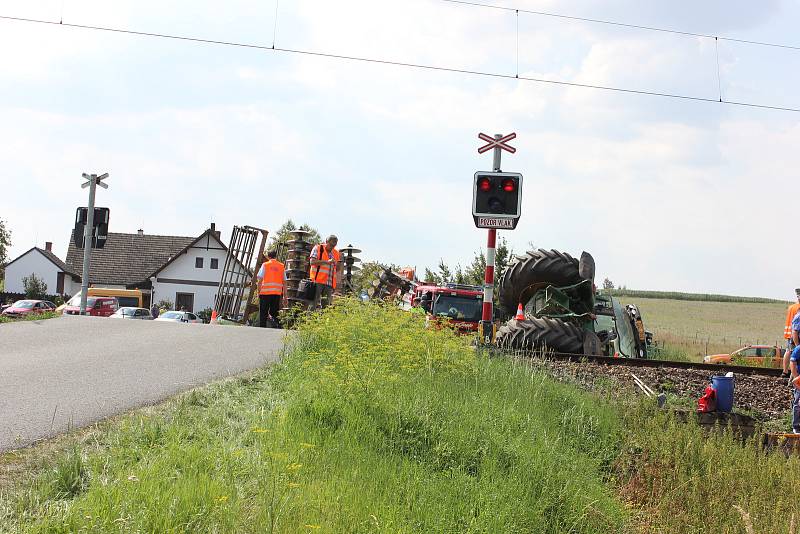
x=216, y=232
x=48, y=246
x=140, y=231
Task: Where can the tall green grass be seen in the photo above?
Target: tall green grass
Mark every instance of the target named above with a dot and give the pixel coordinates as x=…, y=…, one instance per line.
x=373, y=423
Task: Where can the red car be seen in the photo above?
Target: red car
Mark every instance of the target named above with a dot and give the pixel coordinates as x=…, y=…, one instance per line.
x=95, y=306
x=22, y=308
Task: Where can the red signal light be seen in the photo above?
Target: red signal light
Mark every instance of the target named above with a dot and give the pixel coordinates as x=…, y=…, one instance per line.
x=484, y=184
x=509, y=186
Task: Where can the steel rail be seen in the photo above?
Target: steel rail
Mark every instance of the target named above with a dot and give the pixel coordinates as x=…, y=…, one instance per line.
x=641, y=362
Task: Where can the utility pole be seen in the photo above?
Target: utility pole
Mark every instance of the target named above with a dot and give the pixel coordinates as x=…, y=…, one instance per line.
x=92, y=180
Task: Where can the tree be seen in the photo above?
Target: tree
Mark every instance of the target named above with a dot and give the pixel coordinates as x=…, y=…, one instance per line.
x=608, y=284
x=444, y=272
x=5, y=242
x=432, y=277
x=35, y=287
x=281, y=236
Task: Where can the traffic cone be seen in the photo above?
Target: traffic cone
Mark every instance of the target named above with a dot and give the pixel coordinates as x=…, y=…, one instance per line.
x=520, y=313
x=213, y=317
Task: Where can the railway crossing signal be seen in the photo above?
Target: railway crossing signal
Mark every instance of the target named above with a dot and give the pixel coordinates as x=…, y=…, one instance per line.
x=496, y=199
x=496, y=204
x=99, y=230
x=91, y=229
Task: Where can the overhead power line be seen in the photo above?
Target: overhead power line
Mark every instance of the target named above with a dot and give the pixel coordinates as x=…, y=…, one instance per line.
x=394, y=63
x=622, y=24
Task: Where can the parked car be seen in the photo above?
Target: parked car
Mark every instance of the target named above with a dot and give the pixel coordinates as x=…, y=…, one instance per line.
x=179, y=317
x=129, y=312
x=22, y=308
x=750, y=355
x=95, y=306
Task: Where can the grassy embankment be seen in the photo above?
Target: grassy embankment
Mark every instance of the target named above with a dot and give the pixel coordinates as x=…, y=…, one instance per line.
x=374, y=424
x=693, y=329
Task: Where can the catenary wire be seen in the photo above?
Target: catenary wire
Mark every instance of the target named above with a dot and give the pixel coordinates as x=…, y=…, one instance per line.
x=394, y=63
x=622, y=24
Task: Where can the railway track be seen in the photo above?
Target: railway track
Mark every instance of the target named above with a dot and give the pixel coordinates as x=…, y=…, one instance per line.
x=665, y=364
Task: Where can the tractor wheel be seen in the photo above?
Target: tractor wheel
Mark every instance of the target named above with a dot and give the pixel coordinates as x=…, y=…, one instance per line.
x=534, y=270
x=509, y=336
x=541, y=334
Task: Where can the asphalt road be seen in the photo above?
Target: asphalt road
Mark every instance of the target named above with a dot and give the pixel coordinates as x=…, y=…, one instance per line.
x=70, y=372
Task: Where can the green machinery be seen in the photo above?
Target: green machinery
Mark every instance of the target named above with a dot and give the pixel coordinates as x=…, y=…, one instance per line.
x=563, y=311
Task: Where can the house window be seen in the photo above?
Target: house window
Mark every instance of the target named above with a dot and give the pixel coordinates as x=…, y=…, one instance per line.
x=214, y=263
x=198, y=263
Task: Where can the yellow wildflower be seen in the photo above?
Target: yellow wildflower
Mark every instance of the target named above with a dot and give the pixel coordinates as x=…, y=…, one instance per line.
x=313, y=527
x=222, y=498
x=258, y=430
x=307, y=445
x=293, y=467
x=294, y=485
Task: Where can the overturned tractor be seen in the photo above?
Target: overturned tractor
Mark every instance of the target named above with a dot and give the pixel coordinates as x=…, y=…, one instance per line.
x=563, y=311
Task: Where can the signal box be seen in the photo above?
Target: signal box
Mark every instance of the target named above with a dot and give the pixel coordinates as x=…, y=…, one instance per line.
x=497, y=199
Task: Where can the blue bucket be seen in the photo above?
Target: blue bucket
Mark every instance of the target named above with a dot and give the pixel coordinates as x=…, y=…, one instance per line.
x=724, y=387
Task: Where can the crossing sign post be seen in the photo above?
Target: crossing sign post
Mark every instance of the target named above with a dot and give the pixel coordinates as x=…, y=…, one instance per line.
x=496, y=204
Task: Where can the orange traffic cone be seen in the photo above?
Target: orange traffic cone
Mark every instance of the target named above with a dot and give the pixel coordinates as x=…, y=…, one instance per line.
x=520, y=313
x=213, y=317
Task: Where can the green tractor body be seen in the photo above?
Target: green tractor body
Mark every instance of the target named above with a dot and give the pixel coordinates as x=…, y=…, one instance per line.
x=566, y=317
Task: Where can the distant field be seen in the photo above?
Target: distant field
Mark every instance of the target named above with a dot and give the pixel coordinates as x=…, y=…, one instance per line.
x=677, y=295
x=702, y=327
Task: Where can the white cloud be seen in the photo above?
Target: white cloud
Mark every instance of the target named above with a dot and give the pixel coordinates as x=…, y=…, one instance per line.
x=666, y=194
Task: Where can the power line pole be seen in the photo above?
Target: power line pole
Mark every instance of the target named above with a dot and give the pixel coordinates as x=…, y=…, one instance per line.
x=92, y=180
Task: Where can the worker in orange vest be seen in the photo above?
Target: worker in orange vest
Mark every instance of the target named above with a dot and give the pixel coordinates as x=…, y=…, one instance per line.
x=793, y=310
x=271, y=282
x=326, y=266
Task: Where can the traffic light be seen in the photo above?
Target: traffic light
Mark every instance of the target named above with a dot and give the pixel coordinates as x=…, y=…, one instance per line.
x=99, y=224
x=497, y=199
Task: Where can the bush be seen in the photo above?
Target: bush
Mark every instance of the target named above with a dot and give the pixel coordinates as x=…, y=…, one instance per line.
x=35, y=287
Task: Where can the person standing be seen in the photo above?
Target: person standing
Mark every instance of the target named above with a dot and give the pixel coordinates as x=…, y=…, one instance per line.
x=326, y=265
x=791, y=343
x=795, y=381
x=271, y=278
x=154, y=311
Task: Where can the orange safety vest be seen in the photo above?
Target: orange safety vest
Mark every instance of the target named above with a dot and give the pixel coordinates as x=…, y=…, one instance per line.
x=272, y=283
x=323, y=272
x=793, y=309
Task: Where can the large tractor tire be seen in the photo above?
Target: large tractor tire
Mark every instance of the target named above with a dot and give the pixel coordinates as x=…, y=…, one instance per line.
x=541, y=334
x=533, y=271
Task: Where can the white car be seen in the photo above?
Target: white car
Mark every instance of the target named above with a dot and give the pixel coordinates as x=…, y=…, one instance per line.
x=128, y=312
x=179, y=317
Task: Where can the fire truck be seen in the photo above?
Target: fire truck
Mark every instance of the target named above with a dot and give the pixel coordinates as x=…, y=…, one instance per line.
x=459, y=304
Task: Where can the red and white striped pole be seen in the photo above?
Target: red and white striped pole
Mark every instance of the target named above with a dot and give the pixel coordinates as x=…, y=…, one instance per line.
x=487, y=333
x=488, y=288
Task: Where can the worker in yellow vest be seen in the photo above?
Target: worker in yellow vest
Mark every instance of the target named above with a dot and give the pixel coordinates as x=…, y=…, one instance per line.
x=271, y=282
x=326, y=266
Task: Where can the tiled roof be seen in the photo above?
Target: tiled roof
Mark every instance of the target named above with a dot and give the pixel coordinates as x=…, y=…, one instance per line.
x=127, y=259
x=56, y=260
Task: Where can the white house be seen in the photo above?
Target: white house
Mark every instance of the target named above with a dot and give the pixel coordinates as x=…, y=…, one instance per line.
x=45, y=265
x=183, y=270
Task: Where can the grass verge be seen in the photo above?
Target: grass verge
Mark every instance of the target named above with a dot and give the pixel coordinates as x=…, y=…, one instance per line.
x=373, y=423
x=31, y=317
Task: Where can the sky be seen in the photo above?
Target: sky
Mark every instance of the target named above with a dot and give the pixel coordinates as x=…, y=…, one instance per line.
x=667, y=194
